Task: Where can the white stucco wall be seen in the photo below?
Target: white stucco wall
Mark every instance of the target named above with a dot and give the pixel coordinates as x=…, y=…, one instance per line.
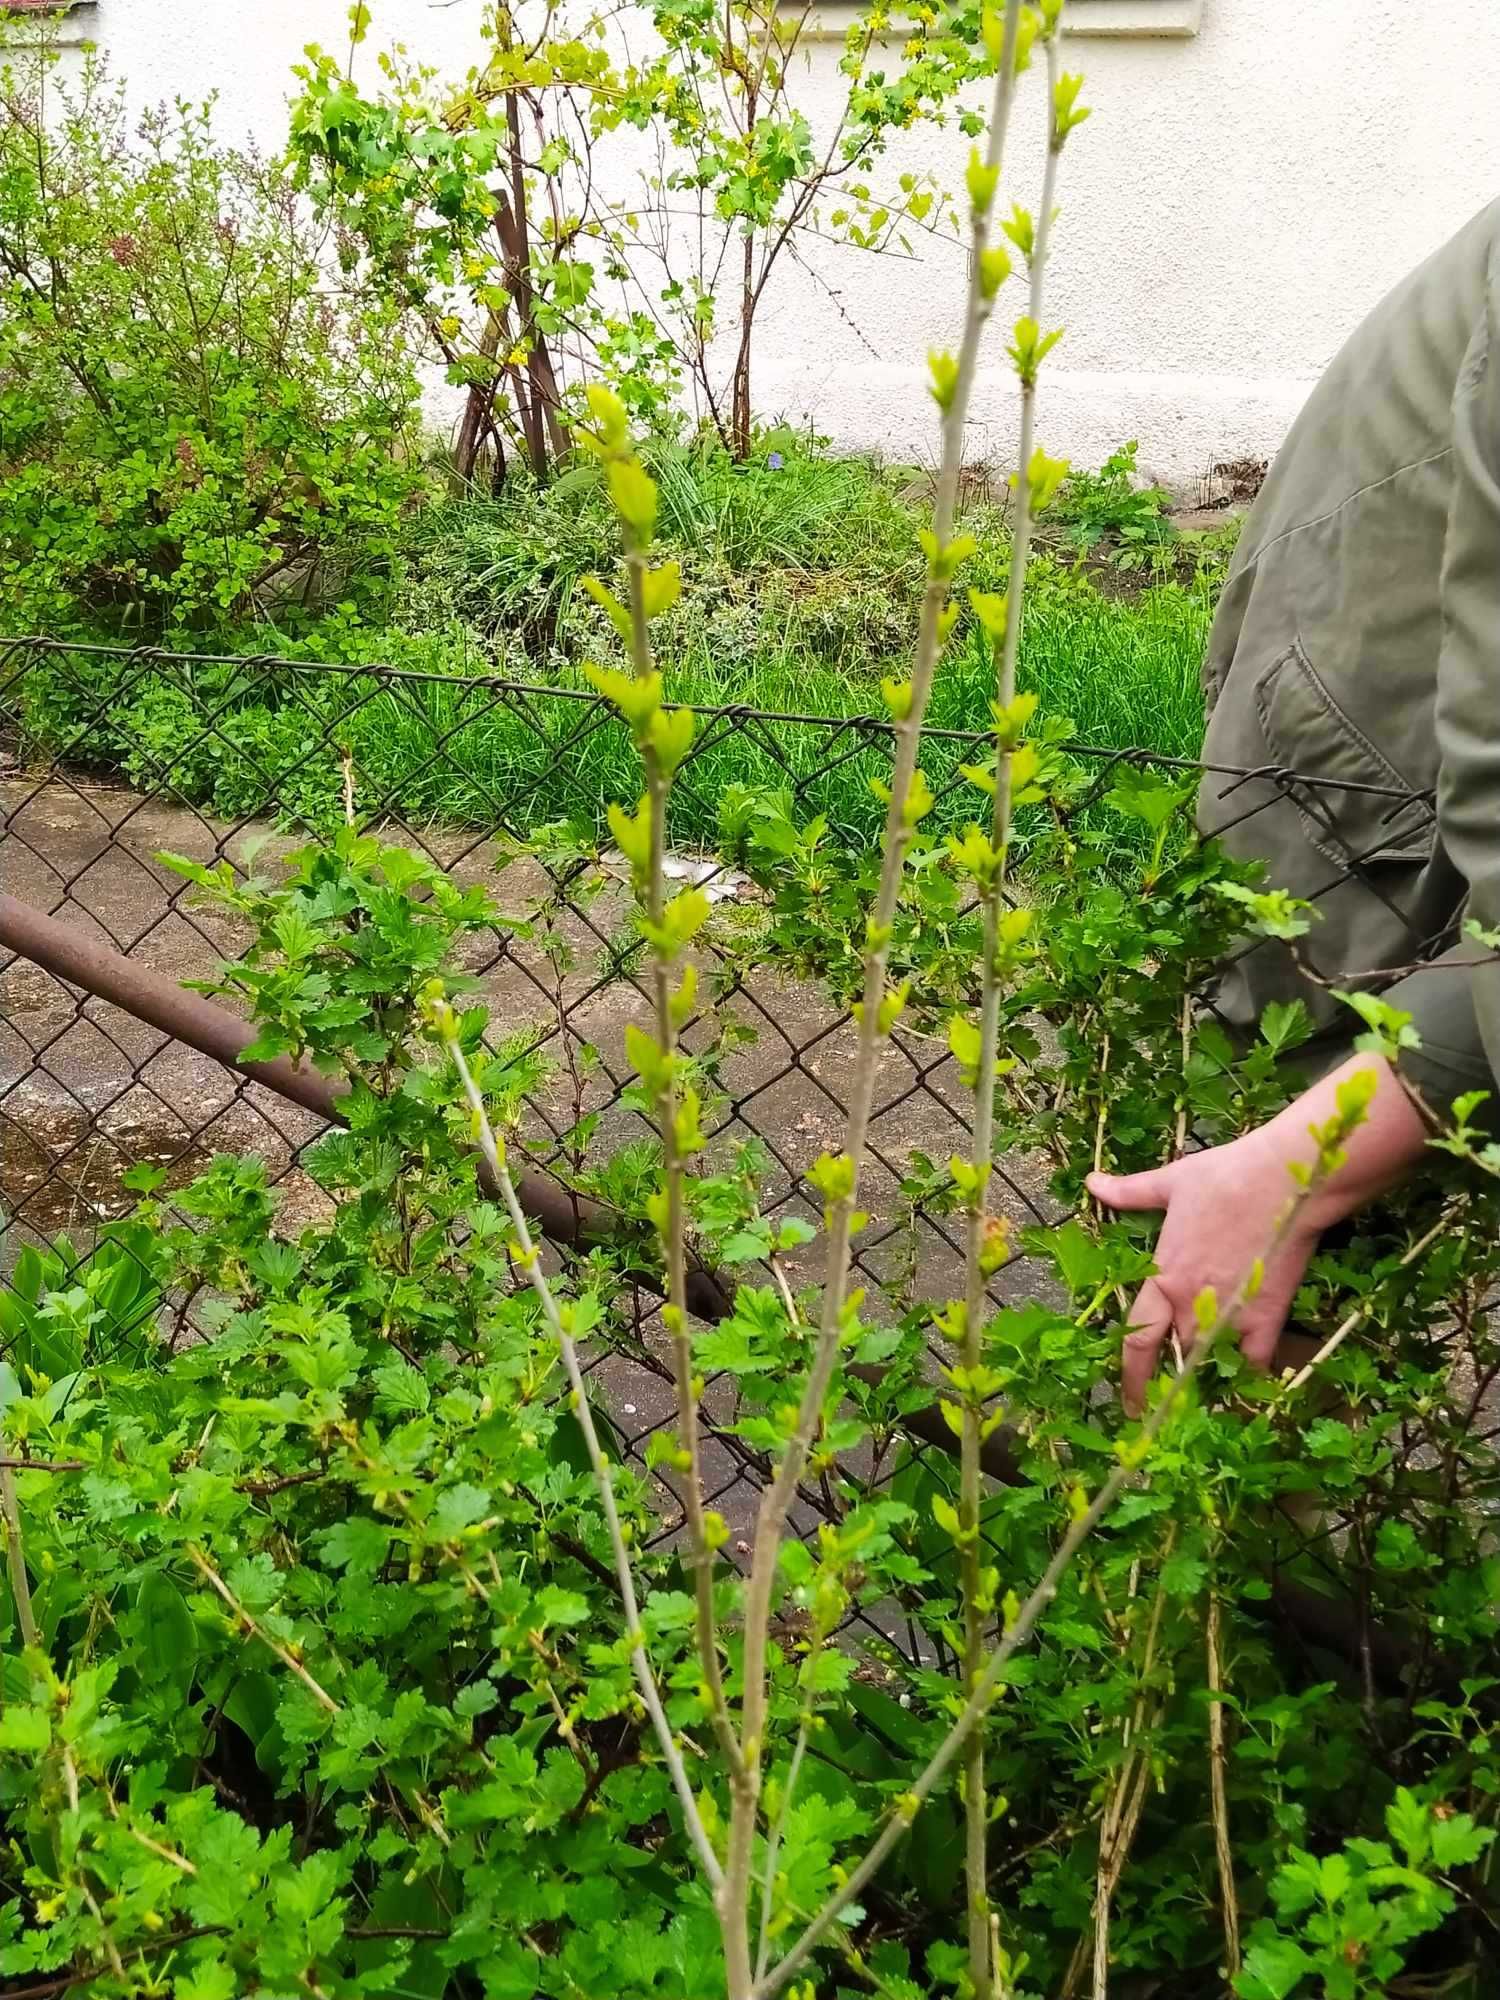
x=1240, y=197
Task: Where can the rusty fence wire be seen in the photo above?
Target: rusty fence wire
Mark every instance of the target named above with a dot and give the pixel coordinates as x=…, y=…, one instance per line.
x=109, y=755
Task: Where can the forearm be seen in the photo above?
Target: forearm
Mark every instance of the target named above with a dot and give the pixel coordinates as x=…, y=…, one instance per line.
x=1381, y=1153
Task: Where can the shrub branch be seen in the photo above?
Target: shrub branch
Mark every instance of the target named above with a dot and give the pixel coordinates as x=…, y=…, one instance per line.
x=15, y=1556
x=674, y=1231
x=991, y=885
x=1354, y=1098
x=900, y=824
x=494, y=1155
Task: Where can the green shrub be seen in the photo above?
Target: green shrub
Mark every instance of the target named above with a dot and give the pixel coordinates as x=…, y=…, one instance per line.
x=340, y=1659
x=329, y=1654
x=1111, y=506
x=196, y=422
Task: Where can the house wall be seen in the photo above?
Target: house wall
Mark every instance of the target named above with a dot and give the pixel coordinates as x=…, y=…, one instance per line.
x=1255, y=175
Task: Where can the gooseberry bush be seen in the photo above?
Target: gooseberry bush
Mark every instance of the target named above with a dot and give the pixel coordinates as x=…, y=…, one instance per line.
x=343, y=1652
x=196, y=422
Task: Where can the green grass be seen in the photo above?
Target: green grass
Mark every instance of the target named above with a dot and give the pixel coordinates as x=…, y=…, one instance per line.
x=501, y=560
x=459, y=750
x=1125, y=670
x=801, y=586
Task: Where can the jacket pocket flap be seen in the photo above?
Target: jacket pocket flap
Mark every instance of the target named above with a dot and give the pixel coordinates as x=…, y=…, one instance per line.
x=1354, y=803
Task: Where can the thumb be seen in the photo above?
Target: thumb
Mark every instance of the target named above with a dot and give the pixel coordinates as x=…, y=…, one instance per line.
x=1129, y=1192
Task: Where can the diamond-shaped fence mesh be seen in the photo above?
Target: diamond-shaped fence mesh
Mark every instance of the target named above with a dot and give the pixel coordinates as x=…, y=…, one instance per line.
x=109, y=756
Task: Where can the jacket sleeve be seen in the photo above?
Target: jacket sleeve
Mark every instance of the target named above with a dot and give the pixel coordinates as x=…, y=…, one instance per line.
x=1457, y=1010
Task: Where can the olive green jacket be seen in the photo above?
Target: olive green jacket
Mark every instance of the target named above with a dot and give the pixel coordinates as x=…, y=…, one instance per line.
x=1357, y=642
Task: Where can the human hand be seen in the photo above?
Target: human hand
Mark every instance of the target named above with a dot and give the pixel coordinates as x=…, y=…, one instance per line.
x=1220, y=1209
x=1223, y=1208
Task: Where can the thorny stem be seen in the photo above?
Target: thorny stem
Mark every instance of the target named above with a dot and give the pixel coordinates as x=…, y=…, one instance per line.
x=645, y=1679
x=1116, y=1838
x=674, y=1235
x=975, y=1707
x=777, y=1498
x=1361, y=1313
x=1101, y=1121
x=15, y=1555
x=243, y=1618
x=111, y=1950
x=773, y=1846
x=1021, y=528
x=1330, y=1158
x=1218, y=1759
x=1126, y=1802
x=986, y=1081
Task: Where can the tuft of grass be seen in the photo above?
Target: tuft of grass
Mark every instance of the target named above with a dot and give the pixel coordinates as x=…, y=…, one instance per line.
x=1127, y=670
x=511, y=566
x=789, y=507
x=801, y=582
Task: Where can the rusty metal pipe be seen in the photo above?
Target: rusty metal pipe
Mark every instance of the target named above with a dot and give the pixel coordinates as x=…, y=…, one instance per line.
x=214, y=1031
x=158, y=1001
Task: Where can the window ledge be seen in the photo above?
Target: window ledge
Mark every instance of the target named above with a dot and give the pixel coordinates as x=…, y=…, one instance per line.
x=1119, y=20
x=1133, y=18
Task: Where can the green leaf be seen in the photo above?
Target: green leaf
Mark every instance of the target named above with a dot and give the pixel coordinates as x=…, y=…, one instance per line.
x=478, y=1698
x=746, y=1244
x=459, y=1507
x=170, y=1635
x=1457, y=1841
x=1081, y=1261
x=1327, y=1438
x=555, y=1606
x=25, y=1729
x=1285, y=1025
x=1273, y=1969
x=1407, y=1822
x=357, y=1543
x=1183, y=1575
x=1141, y=795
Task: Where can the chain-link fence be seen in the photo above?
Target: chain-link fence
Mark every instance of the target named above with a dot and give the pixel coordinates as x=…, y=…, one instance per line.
x=109, y=756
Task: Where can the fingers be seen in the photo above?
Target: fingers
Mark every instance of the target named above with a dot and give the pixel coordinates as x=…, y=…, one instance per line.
x=1131, y=1192
x=1153, y=1317
x=1150, y=1322
x=1263, y=1321
x=1258, y=1343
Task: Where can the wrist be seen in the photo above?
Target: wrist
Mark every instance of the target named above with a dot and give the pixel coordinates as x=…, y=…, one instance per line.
x=1265, y=1161
x=1378, y=1155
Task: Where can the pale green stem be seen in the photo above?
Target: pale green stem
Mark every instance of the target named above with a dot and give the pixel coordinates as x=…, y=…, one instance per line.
x=778, y=1496
x=1021, y=531
x=1361, y=1313
x=1018, y=1632
x=773, y=1846
x=624, y=1575
x=15, y=1552
x=674, y=1236
x=1218, y=1767
x=976, y=1806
